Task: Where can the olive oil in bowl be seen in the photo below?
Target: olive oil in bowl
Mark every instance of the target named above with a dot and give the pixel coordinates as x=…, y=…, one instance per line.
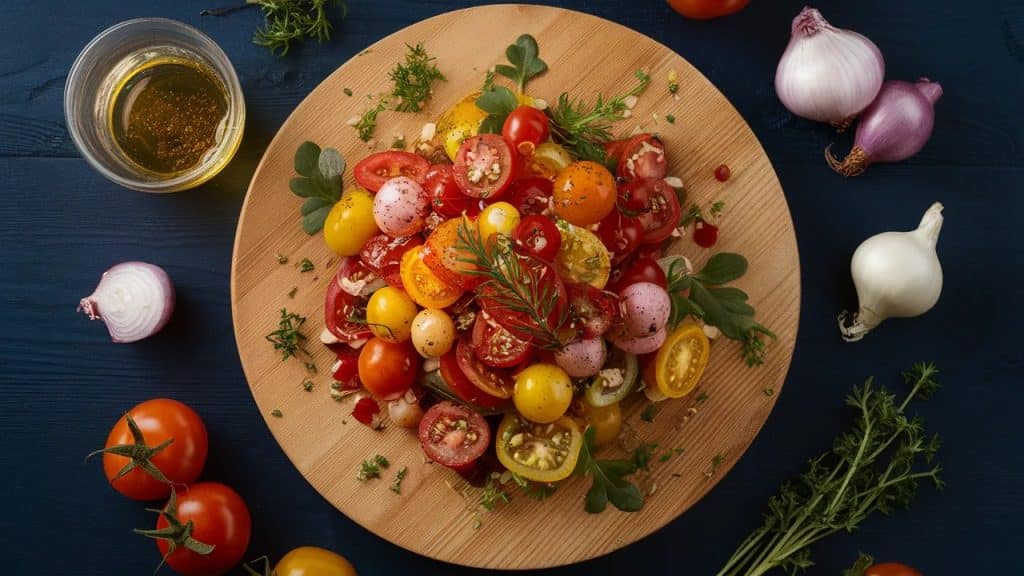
x=168, y=115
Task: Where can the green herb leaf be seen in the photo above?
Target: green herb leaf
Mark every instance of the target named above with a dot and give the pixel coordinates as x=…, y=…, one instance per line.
x=498, y=102
x=609, y=479
x=413, y=79
x=319, y=182
x=307, y=158
x=368, y=121
x=721, y=268
x=396, y=484
x=371, y=468
x=286, y=21
x=288, y=338
x=524, y=56
x=330, y=164
x=648, y=413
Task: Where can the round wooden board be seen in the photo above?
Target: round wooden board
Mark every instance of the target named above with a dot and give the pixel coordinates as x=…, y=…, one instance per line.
x=733, y=401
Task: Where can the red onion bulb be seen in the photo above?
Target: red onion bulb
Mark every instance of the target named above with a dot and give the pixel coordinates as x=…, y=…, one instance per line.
x=895, y=127
x=134, y=299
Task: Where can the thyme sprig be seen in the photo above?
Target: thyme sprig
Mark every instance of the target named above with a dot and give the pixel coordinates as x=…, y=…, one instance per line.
x=412, y=79
x=288, y=338
x=287, y=20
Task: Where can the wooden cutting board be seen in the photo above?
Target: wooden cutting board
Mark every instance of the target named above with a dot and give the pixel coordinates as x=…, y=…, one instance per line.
x=435, y=514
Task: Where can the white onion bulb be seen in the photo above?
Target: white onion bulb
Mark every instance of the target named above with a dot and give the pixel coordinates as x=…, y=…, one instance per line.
x=134, y=299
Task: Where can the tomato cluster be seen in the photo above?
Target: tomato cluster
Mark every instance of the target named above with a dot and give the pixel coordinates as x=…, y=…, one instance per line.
x=514, y=267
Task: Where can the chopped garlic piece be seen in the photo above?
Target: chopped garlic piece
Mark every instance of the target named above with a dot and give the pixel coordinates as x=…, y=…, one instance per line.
x=540, y=104
x=431, y=364
x=328, y=337
x=627, y=113
x=352, y=121
x=630, y=101
x=674, y=181
x=711, y=332
x=428, y=131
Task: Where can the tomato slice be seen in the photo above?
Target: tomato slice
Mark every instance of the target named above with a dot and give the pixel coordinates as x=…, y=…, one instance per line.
x=530, y=195
x=345, y=370
x=641, y=157
x=538, y=236
x=339, y=306
x=593, y=310
x=377, y=168
x=484, y=166
x=521, y=324
x=460, y=385
x=496, y=346
x=620, y=234
x=453, y=435
x=355, y=278
x=493, y=381
x=383, y=255
x=681, y=361
x=538, y=452
x=443, y=257
x=660, y=207
x=446, y=198
x=641, y=269
x=422, y=285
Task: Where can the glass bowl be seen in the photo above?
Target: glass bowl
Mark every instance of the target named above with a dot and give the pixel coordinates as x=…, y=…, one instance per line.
x=106, y=60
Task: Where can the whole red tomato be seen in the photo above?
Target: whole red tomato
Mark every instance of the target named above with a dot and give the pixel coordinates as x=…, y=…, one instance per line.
x=706, y=9
x=203, y=531
x=891, y=569
x=169, y=439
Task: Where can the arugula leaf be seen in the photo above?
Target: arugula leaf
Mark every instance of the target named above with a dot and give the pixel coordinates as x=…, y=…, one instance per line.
x=610, y=483
x=319, y=182
x=721, y=268
x=524, y=56
x=498, y=102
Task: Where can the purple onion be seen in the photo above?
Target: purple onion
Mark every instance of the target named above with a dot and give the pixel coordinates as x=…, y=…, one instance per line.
x=894, y=127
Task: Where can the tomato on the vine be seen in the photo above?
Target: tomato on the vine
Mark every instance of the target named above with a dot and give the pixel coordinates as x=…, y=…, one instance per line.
x=453, y=435
x=484, y=166
x=210, y=530
x=377, y=168
x=640, y=269
x=525, y=128
x=496, y=346
x=538, y=236
x=383, y=255
x=660, y=210
x=530, y=195
x=344, y=314
x=446, y=198
x=705, y=9
x=160, y=421
x=620, y=234
x=387, y=369
x=593, y=310
x=584, y=193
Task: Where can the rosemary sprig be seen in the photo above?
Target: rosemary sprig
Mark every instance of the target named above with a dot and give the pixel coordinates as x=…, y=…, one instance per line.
x=287, y=20
x=513, y=286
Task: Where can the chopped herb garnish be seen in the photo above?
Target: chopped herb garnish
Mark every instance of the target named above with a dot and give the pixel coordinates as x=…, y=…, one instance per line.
x=412, y=79
x=291, y=293
x=769, y=392
x=372, y=468
x=488, y=81
x=368, y=121
x=716, y=208
x=539, y=491
x=281, y=258
x=673, y=87
x=396, y=484
x=493, y=494
x=648, y=414
x=306, y=265
x=311, y=367
x=307, y=385
x=288, y=338
x=347, y=91
x=287, y=20
x=319, y=182
x=716, y=463
x=670, y=118
x=702, y=397
x=398, y=143
x=276, y=413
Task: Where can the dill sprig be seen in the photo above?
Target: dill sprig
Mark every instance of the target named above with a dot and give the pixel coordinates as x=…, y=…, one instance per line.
x=287, y=20
x=874, y=467
x=288, y=338
x=412, y=79
x=514, y=287
x=584, y=128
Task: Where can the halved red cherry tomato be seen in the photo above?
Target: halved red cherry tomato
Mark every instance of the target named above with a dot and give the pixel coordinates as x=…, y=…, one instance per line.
x=383, y=255
x=339, y=308
x=377, y=168
x=538, y=235
x=388, y=369
x=519, y=323
x=496, y=346
x=660, y=213
x=525, y=128
x=641, y=156
x=441, y=255
x=705, y=235
x=453, y=435
x=705, y=9
x=355, y=278
x=639, y=270
x=493, y=381
x=530, y=195
x=593, y=310
x=620, y=234
x=446, y=198
x=460, y=385
x=484, y=166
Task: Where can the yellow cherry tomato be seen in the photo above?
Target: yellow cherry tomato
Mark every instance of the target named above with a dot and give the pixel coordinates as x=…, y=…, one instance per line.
x=548, y=160
x=390, y=313
x=681, y=361
x=542, y=393
x=423, y=285
x=584, y=193
x=460, y=122
x=433, y=333
x=605, y=420
x=538, y=452
x=582, y=257
x=498, y=218
x=313, y=561
x=350, y=222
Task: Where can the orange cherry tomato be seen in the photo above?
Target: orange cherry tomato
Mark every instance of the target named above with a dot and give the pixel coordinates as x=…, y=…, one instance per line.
x=584, y=193
x=387, y=369
x=445, y=259
x=422, y=285
x=706, y=9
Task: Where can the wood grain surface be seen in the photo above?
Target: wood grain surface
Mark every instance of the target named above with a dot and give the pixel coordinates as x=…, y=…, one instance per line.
x=435, y=507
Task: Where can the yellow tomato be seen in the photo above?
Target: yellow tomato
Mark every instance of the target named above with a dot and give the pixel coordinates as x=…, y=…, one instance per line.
x=313, y=561
x=538, y=452
x=605, y=420
x=423, y=285
x=390, y=313
x=498, y=218
x=458, y=123
x=548, y=160
x=681, y=361
x=350, y=222
x=584, y=193
x=542, y=393
x=433, y=333
x=582, y=257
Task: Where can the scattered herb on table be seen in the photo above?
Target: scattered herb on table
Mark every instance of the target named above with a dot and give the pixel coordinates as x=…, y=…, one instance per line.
x=648, y=413
x=413, y=78
x=307, y=385
x=287, y=20
x=276, y=413
x=396, y=484
x=306, y=265
x=319, y=182
x=488, y=81
x=876, y=466
x=583, y=129
x=670, y=118
x=610, y=483
x=769, y=392
x=281, y=258
x=347, y=91
x=673, y=82
x=702, y=397
x=398, y=143
x=291, y=293
x=311, y=367
x=724, y=307
x=372, y=468
x=368, y=121
x=288, y=337
x=716, y=463
x=493, y=494
x=539, y=491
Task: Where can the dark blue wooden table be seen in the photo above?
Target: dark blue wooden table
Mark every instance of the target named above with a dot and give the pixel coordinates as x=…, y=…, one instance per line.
x=62, y=383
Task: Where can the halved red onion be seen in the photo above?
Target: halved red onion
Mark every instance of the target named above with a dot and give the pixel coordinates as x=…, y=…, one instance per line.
x=134, y=299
